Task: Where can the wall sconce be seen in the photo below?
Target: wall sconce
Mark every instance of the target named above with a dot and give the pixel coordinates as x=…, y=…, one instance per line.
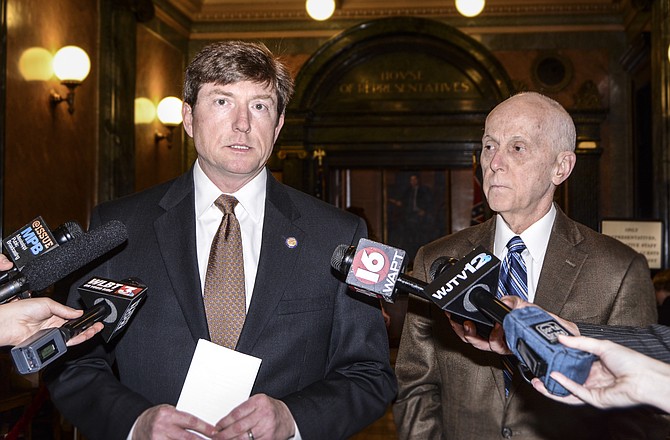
x=145, y=111
x=169, y=113
x=470, y=8
x=35, y=64
x=71, y=65
x=320, y=10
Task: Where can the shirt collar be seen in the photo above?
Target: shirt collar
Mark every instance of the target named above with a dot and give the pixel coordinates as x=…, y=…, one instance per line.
x=536, y=237
x=251, y=197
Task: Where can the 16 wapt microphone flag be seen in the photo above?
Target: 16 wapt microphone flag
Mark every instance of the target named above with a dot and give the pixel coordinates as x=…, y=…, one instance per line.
x=375, y=268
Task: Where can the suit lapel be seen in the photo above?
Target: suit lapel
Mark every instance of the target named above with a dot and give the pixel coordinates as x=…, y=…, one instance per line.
x=276, y=263
x=175, y=232
x=561, y=266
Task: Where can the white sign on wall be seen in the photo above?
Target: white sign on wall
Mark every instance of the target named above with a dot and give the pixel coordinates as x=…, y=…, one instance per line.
x=646, y=237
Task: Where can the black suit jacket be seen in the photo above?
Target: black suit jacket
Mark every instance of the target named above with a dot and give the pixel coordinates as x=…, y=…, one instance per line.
x=324, y=351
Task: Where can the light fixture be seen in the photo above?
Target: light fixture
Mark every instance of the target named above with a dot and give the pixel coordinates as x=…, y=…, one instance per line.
x=145, y=111
x=320, y=9
x=470, y=8
x=668, y=52
x=71, y=66
x=35, y=64
x=169, y=113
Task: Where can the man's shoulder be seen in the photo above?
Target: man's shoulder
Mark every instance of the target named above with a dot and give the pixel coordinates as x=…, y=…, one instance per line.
x=313, y=208
x=463, y=241
x=145, y=199
x=591, y=241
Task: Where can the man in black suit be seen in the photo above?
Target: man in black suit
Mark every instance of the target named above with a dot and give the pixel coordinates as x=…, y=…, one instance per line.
x=325, y=369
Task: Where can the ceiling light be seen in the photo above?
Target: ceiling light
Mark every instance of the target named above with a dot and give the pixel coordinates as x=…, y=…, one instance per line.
x=320, y=9
x=470, y=8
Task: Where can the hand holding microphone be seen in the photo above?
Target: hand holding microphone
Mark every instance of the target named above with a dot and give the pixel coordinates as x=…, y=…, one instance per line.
x=109, y=303
x=21, y=319
x=467, y=289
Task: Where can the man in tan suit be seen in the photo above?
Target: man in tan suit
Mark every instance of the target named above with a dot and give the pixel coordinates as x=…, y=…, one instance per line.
x=449, y=389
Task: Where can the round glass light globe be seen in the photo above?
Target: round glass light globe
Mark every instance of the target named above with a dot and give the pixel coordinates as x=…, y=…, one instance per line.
x=169, y=110
x=470, y=8
x=320, y=9
x=71, y=63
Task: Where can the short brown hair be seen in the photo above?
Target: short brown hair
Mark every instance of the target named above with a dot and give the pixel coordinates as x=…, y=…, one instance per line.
x=662, y=280
x=228, y=62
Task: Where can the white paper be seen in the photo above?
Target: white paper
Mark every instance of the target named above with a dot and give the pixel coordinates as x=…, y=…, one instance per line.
x=218, y=380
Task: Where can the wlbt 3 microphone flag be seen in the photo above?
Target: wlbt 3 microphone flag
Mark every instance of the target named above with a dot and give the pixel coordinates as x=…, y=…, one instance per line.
x=110, y=302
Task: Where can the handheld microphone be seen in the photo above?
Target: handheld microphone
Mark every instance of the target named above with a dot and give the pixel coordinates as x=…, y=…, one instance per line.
x=375, y=269
x=35, y=239
x=468, y=289
x=113, y=304
x=122, y=299
x=61, y=261
x=452, y=288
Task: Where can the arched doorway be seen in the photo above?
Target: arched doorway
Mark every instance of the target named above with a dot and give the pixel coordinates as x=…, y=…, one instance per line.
x=385, y=121
x=387, y=100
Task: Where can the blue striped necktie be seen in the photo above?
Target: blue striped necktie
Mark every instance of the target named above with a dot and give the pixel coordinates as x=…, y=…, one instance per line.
x=513, y=280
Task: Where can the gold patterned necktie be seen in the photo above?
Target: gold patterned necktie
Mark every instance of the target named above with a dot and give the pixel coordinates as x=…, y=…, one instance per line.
x=225, y=302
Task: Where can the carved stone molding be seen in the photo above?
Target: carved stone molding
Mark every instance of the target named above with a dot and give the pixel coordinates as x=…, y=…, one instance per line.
x=216, y=10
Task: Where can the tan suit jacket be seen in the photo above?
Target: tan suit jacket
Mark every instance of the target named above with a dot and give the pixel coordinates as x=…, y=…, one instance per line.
x=448, y=389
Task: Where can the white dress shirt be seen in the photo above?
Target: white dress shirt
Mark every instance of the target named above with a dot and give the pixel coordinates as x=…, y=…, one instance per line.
x=536, y=239
x=250, y=212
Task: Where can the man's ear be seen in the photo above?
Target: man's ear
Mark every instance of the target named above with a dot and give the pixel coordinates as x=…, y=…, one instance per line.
x=565, y=163
x=187, y=118
x=280, y=124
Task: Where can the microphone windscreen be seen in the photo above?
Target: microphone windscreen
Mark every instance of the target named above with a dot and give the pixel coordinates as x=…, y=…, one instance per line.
x=71, y=230
x=337, y=259
x=440, y=264
x=74, y=254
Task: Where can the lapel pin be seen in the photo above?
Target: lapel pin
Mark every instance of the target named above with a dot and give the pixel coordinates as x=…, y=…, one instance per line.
x=291, y=242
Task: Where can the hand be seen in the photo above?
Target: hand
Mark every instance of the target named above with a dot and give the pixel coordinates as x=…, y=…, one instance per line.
x=468, y=334
x=621, y=378
x=5, y=263
x=20, y=319
x=166, y=421
x=265, y=417
x=514, y=302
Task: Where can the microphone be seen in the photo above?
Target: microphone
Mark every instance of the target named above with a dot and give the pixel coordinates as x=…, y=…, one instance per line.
x=440, y=264
x=35, y=239
x=113, y=304
x=452, y=288
x=121, y=298
x=467, y=289
x=374, y=269
x=61, y=261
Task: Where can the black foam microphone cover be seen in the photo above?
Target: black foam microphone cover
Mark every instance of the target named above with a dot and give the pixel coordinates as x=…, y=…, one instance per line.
x=73, y=255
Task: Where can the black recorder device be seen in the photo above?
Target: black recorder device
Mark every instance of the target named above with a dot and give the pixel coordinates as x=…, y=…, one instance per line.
x=110, y=302
x=49, y=344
